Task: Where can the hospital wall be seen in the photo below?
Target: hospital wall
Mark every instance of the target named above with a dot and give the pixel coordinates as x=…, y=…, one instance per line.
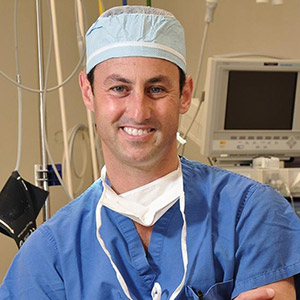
x=238, y=27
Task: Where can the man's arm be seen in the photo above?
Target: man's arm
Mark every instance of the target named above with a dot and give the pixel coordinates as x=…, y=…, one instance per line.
x=280, y=290
x=34, y=273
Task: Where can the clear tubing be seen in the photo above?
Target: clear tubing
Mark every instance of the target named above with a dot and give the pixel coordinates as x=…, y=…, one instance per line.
x=77, y=67
x=19, y=90
x=29, y=89
x=85, y=146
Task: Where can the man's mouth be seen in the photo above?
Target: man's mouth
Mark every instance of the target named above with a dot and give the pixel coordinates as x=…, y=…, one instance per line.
x=136, y=132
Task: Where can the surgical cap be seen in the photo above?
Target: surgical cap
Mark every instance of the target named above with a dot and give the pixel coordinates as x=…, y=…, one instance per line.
x=126, y=31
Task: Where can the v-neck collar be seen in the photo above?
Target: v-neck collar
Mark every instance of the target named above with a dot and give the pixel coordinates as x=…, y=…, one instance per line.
x=147, y=266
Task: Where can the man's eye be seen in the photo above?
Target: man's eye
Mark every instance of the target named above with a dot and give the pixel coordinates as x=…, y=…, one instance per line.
x=156, y=90
x=119, y=89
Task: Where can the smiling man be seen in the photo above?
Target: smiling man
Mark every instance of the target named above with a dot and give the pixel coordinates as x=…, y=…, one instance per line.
x=155, y=226
x=137, y=102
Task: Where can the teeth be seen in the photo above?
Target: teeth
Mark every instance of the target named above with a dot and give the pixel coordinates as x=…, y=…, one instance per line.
x=136, y=132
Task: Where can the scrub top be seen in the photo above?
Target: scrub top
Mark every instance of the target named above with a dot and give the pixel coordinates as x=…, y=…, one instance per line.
x=240, y=235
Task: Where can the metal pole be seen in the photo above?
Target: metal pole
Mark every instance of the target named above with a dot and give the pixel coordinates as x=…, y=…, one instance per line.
x=44, y=158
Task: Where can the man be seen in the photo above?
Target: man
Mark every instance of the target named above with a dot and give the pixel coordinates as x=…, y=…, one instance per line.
x=155, y=226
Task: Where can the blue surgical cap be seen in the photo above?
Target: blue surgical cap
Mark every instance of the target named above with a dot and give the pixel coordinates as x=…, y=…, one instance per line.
x=127, y=31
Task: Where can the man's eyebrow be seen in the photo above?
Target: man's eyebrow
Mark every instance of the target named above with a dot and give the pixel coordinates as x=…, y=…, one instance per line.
x=159, y=78
x=116, y=78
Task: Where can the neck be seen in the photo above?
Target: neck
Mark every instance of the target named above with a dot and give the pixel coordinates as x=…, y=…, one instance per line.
x=123, y=177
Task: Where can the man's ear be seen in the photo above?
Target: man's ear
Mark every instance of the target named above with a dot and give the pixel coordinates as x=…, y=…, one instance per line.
x=186, y=96
x=86, y=91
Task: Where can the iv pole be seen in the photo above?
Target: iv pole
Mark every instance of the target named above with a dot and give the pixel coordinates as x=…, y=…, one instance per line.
x=43, y=170
x=44, y=159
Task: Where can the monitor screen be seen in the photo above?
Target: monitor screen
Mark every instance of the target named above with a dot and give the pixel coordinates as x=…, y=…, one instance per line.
x=251, y=108
x=260, y=100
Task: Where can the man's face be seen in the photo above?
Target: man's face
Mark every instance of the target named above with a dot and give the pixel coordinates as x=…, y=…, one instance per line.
x=137, y=102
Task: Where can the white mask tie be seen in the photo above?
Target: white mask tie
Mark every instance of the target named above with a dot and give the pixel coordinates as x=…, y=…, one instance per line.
x=149, y=216
x=156, y=291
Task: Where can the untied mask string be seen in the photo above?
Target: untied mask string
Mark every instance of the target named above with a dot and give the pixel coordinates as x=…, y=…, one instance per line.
x=156, y=290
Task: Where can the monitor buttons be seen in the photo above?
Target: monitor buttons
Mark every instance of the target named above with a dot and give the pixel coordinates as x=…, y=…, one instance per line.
x=291, y=142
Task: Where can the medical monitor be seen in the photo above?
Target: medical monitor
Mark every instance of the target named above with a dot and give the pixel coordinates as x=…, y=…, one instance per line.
x=251, y=108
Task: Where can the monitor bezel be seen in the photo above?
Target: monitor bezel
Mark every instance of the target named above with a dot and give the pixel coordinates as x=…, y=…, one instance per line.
x=213, y=117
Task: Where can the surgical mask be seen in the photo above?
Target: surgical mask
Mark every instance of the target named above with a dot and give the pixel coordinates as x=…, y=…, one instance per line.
x=145, y=205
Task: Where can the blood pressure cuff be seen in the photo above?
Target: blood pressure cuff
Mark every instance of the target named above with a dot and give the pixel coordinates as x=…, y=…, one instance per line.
x=20, y=204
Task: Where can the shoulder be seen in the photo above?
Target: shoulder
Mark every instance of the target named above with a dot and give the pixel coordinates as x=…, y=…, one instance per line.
x=196, y=168
x=230, y=191
x=212, y=178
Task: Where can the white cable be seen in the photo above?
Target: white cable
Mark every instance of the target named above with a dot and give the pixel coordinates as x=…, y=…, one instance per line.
x=79, y=63
x=289, y=194
x=211, y=6
x=80, y=31
x=44, y=99
x=95, y=163
x=282, y=187
x=201, y=55
x=56, y=171
x=296, y=181
x=20, y=127
x=210, y=9
x=67, y=173
x=191, y=124
x=83, y=130
x=46, y=142
x=29, y=89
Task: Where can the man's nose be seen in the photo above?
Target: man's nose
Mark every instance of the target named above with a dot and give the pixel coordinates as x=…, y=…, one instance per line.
x=139, y=107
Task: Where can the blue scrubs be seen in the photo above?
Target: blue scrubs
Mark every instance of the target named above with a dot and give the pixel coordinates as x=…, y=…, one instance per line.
x=240, y=235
